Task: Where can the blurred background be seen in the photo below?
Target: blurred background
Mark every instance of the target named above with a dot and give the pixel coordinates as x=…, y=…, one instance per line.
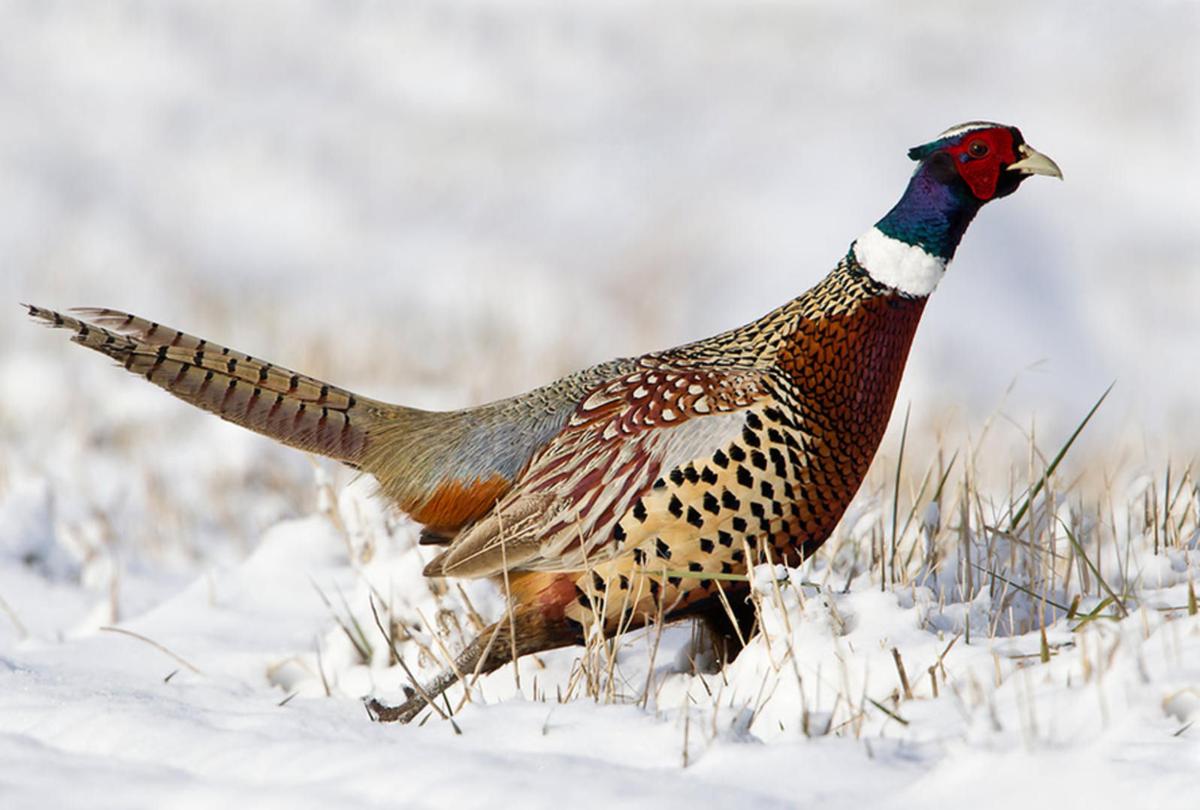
x=447, y=202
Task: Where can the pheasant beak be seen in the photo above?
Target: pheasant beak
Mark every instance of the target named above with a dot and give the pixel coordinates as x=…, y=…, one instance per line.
x=1034, y=162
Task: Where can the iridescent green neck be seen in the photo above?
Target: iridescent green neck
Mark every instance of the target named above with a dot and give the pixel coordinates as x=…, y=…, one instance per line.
x=934, y=212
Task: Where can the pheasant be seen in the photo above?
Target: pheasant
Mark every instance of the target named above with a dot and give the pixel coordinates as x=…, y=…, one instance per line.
x=618, y=495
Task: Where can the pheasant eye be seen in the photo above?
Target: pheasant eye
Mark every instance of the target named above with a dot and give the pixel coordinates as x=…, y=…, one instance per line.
x=977, y=149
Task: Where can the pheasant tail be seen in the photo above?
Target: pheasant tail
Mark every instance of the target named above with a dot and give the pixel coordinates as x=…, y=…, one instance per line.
x=292, y=408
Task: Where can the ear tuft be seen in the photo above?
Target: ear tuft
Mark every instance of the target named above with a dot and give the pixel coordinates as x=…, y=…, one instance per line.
x=919, y=153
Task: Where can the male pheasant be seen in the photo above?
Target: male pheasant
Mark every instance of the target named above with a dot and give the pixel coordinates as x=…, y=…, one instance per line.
x=610, y=498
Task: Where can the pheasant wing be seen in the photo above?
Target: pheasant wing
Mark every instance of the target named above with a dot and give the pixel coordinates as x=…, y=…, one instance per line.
x=595, y=488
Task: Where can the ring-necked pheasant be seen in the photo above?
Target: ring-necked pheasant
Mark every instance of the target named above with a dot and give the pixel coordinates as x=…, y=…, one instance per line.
x=607, y=498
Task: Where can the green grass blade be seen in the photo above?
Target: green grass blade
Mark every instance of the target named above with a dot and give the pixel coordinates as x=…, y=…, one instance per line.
x=1062, y=452
x=1020, y=588
x=1095, y=571
x=896, y=492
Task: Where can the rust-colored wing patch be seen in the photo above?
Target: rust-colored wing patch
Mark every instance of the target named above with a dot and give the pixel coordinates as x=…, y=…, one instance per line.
x=457, y=503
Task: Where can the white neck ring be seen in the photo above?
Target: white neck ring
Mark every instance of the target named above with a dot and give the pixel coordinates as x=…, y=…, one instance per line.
x=899, y=265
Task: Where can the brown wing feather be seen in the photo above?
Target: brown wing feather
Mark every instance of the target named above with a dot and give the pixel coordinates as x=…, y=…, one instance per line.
x=561, y=513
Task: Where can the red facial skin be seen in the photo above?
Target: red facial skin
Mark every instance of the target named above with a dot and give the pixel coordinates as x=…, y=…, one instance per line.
x=980, y=157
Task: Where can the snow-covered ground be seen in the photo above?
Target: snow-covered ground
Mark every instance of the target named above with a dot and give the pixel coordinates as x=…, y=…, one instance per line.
x=243, y=685
x=446, y=202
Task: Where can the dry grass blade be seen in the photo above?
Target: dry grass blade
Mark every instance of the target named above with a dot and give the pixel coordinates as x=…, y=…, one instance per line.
x=321, y=671
x=22, y=633
x=362, y=635
x=508, y=601
x=713, y=575
x=728, y=608
x=416, y=685
x=908, y=695
x=935, y=498
x=178, y=658
x=360, y=646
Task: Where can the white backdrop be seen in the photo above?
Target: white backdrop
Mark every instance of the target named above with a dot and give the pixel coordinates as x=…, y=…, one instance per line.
x=451, y=201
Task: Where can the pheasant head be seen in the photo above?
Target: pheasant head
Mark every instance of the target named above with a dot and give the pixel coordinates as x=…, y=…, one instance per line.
x=960, y=171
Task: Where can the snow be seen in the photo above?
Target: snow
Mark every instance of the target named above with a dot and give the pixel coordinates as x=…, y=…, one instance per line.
x=443, y=203
x=232, y=706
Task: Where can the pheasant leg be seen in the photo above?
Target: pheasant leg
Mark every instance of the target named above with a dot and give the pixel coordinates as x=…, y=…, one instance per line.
x=490, y=650
x=728, y=633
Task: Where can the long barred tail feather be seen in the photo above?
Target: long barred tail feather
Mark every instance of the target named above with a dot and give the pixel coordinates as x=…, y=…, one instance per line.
x=292, y=408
